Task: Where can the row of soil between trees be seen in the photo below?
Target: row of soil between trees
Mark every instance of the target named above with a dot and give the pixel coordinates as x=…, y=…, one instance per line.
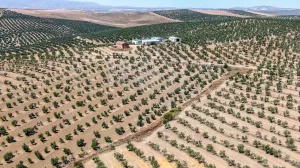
x=139, y=136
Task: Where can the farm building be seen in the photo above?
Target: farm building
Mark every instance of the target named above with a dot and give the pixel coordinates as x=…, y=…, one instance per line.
x=136, y=42
x=122, y=45
x=150, y=42
x=158, y=38
x=175, y=39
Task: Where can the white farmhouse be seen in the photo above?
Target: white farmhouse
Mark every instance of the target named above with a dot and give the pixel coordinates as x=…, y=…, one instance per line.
x=175, y=39
x=137, y=42
x=150, y=42
x=158, y=38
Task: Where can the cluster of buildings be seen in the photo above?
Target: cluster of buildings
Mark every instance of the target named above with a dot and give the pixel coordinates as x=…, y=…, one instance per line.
x=151, y=41
x=155, y=40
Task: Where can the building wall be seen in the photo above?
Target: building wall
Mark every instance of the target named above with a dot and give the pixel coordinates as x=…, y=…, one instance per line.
x=150, y=42
x=125, y=45
x=158, y=38
x=122, y=46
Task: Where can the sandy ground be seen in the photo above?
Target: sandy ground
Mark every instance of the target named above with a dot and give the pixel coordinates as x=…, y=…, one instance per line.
x=110, y=65
x=231, y=134
x=56, y=70
x=133, y=159
x=137, y=162
x=220, y=12
x=126, y=19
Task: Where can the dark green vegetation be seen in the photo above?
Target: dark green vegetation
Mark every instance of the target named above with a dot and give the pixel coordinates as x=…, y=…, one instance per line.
x=21, y=30
x=290, y=17
x=192, y=33
x=244, y=13
x=190, y=16
x=170, y=115
x=198, y=33
x=51, y=32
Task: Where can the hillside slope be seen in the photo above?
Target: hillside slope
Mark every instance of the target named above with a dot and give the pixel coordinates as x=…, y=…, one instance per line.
x=118, y=19
x=19, y=30
x=220, y=13
x=190, y=16
x=244, y=13
x=226, y=96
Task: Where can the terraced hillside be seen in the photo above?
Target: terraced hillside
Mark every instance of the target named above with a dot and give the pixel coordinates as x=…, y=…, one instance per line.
x=21, y=30
x=190, y=16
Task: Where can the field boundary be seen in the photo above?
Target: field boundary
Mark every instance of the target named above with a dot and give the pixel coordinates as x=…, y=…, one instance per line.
x=135, y=137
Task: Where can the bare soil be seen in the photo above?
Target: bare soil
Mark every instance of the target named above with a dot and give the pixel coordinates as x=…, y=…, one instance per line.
x=121, y=19
x=149, y=133
x=220, y=12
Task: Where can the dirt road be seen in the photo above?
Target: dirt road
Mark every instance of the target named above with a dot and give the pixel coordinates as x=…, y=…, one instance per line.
x=147, y=131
